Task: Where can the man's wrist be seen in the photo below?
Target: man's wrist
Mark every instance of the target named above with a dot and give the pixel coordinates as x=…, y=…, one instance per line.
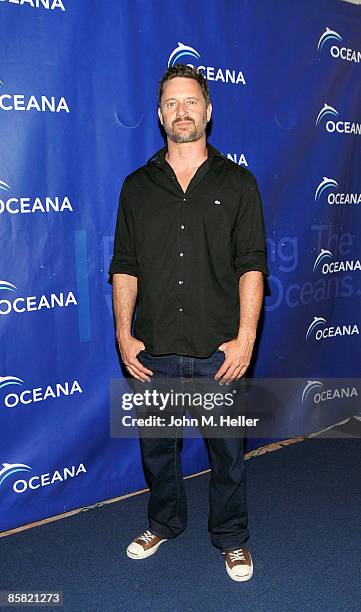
x=247, y=330
x=123, y=334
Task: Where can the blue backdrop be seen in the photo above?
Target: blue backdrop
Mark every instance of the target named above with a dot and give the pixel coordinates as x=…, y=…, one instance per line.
x=78, y=82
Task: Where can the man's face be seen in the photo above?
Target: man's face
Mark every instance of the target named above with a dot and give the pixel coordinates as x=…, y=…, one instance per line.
x=183, y=112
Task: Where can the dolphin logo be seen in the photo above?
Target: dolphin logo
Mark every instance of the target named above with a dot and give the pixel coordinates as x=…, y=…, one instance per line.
x=6, y=285
x=324, y=254
x=181, y=51
x=316, y=321
x=4, y=186
x=328, y=35
x=326, y=110
x=326, y=183
x=12, y=468
x=10, y=380
x=310, y=386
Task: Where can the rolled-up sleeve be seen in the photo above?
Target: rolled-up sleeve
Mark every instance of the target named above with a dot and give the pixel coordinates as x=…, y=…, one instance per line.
x=124, y=260
x=248, y=234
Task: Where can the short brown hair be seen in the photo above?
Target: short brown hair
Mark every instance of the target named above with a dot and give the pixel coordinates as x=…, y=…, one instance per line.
x=184, y=71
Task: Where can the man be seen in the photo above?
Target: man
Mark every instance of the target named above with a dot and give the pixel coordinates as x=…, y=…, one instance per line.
x=190, y=245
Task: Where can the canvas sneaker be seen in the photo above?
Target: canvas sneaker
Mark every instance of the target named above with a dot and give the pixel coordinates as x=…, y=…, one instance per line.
x=144, y=545
x=239, y=564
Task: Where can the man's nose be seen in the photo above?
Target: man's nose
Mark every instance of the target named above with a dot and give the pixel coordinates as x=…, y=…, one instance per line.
x=181, y=109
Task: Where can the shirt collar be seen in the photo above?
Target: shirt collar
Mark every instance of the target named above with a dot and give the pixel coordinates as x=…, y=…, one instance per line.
x=159, y=157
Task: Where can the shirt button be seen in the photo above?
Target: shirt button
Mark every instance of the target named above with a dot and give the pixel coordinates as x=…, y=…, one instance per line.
x=180, y=282
x=184, y=199
x=181, y=254
x=182, y=226
x=181, y=310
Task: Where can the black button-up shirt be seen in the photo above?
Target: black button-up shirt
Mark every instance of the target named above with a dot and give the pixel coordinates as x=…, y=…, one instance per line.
x=188, y=250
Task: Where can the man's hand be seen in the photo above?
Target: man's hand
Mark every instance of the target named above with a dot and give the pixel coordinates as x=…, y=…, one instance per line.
x=238, y=356
x=129, y=348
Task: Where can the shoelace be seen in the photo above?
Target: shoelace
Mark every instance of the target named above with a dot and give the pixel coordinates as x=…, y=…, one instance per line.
x=237, y=555
x=146, y=536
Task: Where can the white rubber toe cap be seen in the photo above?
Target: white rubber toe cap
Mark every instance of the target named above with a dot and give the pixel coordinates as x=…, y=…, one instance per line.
x=240, y=573
x=135, y=549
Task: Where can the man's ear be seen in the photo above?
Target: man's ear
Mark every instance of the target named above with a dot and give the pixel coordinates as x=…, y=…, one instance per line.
x=209, y=112
x=160, y=115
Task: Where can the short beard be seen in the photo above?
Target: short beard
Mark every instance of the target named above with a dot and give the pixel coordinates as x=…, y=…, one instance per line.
x=190, y=137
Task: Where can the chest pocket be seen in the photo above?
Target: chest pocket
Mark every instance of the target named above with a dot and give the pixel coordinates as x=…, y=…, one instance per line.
x=215, y=216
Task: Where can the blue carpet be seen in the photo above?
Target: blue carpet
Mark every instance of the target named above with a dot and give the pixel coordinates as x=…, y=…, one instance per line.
x=304, y=509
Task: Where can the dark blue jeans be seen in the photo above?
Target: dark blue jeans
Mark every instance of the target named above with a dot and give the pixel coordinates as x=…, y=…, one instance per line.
x=167, y=509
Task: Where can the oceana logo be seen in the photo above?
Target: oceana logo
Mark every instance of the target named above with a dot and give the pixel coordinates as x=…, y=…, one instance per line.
x=183, y=52
x=342, y=127
x=22, y=102
x=22, y=304
x=315, y=391
x=26, y=205
x=335, y=50
x=324, y=263
x=39, y=394
x=329, y=186
x=50, y=5
x=320, y=331
x=38, y=481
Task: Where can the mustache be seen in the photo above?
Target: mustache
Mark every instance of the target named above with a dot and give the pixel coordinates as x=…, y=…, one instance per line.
x=182, y=119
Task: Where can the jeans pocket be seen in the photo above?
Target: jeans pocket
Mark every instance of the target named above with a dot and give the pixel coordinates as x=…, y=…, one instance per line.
x=143, y=354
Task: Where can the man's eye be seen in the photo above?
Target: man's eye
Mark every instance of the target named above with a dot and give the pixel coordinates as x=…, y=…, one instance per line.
x=191, y=102
x=171, y=104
